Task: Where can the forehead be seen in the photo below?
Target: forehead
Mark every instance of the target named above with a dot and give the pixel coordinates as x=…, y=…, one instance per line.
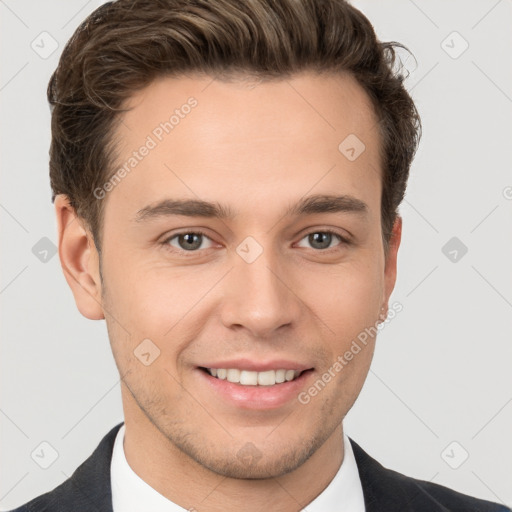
x=247, y=144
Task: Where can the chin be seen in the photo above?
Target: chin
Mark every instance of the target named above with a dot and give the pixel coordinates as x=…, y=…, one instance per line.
x=246, y=460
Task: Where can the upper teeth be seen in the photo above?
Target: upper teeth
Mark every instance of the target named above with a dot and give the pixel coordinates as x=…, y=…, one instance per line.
x=247, y=378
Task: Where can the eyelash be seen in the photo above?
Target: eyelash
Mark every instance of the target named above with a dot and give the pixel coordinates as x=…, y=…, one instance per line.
x=343, y=241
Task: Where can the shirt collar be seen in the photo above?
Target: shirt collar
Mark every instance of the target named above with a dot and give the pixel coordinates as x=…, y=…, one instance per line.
x=132, y=494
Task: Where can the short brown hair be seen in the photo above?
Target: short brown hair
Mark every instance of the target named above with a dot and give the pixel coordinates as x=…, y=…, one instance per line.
x=124, y=45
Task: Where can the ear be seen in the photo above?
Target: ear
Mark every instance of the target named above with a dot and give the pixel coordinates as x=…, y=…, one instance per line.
x=391, y=261
x=79, y=260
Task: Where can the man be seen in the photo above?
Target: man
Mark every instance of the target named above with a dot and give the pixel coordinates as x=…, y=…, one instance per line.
x=226, y=179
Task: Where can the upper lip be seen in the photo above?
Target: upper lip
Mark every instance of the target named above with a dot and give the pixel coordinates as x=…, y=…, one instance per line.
x=258, y=366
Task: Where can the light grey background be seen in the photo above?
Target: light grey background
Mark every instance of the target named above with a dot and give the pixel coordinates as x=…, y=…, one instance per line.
x=442, y=368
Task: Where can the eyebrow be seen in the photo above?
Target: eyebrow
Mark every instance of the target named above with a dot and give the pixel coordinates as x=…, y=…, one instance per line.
x=198, y=208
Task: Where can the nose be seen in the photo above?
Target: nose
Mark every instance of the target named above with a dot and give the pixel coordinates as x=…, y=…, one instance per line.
x=261, y=296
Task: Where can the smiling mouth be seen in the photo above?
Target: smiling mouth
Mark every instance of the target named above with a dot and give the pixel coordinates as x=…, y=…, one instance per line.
x=252, y=378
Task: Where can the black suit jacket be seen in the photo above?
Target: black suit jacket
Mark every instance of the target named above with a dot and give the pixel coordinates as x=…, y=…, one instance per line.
x=384, y=490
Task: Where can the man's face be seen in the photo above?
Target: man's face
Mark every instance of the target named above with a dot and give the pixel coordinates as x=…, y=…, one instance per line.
x=263, y=289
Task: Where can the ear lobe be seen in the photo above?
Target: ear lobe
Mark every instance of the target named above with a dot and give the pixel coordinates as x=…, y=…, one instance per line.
x=79, y=260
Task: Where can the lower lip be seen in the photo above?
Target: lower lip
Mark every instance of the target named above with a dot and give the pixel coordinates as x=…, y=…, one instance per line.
x=256, y=397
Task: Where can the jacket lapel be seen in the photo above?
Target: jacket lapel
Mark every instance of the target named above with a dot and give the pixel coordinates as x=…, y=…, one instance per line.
x=89, y=488
x=382, y=488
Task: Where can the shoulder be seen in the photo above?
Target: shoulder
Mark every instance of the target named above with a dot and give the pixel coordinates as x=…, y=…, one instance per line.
x=385, y=489
x=87, y=489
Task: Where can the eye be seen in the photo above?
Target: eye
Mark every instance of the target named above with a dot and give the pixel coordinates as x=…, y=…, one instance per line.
x=322, y=240
x=189, y=241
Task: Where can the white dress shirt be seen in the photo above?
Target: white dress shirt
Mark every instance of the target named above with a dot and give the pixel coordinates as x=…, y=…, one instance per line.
x=132, y=494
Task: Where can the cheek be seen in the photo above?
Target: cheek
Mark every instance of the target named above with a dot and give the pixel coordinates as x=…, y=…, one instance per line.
x=348, y=302
x=347, y=298
x=158, y=304
x=145, y=297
